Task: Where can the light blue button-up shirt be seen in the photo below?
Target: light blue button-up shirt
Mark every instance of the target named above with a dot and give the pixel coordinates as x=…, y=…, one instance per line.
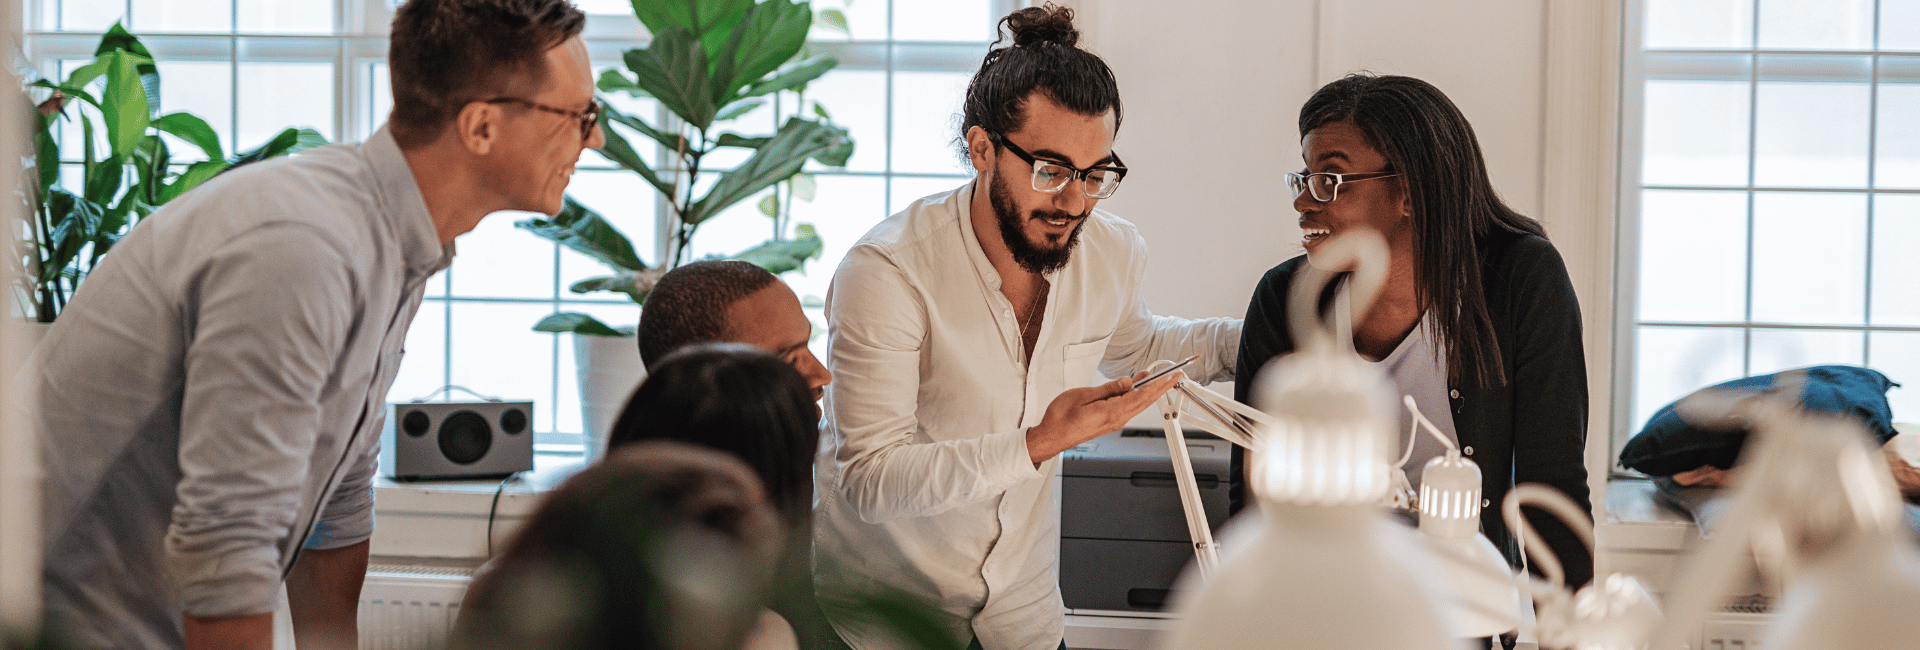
x=213, y=394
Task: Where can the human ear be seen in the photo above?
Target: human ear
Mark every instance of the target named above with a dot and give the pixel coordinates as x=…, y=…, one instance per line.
x=476, y=125
x=979, y=149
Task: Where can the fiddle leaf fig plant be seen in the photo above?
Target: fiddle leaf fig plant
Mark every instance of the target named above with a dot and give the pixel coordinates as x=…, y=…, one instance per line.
x=710, y=62
x=75, y=221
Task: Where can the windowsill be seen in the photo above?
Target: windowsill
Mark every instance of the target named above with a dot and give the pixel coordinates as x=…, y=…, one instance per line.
x=452, y=520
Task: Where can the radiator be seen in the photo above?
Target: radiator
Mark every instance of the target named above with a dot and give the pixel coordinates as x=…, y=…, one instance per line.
x=410, y=607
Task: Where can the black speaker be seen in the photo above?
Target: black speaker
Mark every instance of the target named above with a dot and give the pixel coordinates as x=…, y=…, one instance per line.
x=429, y=440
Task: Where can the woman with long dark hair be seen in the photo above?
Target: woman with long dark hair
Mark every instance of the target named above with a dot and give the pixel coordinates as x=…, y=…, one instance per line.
x=740, y=399
x=1477, y=319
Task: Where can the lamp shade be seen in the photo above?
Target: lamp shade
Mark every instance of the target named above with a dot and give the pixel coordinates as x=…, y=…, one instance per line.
x=1450, y=497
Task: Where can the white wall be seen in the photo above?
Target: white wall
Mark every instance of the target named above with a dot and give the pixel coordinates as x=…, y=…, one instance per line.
x=1217, y=84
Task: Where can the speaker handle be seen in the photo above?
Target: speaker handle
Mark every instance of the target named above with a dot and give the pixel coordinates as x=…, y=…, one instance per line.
x=451, y=387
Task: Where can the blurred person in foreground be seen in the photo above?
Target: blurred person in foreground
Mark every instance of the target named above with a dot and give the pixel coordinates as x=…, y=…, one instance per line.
x=745, y=401
x=209, y=404
x=660, y=544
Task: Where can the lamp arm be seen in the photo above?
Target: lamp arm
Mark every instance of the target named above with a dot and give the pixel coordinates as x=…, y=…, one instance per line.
x=1362, y=251
x=1534, y=547
x=1206, y=554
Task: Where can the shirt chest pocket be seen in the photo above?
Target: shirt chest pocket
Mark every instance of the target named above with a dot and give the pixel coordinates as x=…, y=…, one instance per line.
x=1083, y=361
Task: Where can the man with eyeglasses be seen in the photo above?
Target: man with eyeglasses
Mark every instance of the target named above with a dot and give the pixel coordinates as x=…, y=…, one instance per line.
x=963, y=332
x=210, y=403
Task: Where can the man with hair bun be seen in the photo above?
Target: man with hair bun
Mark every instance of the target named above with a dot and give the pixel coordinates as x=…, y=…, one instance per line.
x=209, y=404
x=962, y=334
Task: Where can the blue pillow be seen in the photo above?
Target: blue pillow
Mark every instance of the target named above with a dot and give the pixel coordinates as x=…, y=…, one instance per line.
x=1668, y=445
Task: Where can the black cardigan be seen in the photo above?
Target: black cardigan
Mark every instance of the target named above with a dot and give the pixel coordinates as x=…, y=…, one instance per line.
x=1532, y=430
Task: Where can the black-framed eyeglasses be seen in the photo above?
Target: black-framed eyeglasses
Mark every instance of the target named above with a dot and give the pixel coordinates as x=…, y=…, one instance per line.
x=1098, y=181
x=1326, y=186
x=588, y=118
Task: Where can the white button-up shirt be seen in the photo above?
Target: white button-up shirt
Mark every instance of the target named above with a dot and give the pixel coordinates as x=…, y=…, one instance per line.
x=926, y=488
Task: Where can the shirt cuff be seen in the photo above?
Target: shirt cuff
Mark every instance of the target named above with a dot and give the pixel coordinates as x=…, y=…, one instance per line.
x=1007, y=458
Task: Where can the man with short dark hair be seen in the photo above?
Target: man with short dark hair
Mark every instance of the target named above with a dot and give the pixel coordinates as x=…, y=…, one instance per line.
x=733, y=302
x=209, y=404
x=963, y=332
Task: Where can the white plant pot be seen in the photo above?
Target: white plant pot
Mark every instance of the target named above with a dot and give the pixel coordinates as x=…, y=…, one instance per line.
x=609, y=369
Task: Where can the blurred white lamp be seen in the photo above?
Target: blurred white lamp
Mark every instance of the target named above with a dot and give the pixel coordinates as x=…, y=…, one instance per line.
x=1321, y=566
x=1485, y=600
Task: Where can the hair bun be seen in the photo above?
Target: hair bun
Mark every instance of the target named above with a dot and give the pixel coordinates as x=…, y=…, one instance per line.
x=1049, y=23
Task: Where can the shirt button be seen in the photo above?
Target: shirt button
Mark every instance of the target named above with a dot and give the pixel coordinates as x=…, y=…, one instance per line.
x=1455, y=393
x=1468, y=450
x=1485, y=503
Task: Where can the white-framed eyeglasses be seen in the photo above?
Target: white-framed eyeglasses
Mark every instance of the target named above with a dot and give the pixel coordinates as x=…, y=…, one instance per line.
x=1325, y=186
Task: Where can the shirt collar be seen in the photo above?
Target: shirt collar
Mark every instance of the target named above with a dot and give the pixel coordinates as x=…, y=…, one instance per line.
x=963, y=200
x=405, y=207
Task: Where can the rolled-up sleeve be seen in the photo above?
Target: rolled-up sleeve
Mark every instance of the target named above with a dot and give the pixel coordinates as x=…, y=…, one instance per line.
x=1140, y=338
x=878, y=327
x=269, y=313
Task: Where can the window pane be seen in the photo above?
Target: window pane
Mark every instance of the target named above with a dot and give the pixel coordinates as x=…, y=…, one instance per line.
x=908, y=190
x=182, y=16
x=497, y=260
x=1781, y=349
x=424, y=368
x=647, y=110
x=1900, y=30
x=381, y=94
x=1809, y=250
x=1897, y=146
x=1696, y=133
x=1897, y=355
x=948, y=20
x=86, y=15
x=856, y=99
x=1816, y=24
x=1896, y=269
x=758, y=122
x=1698, y=24
x=496, y=353
x=866, y=19
x=625, y=201
x=842, y=210
x=1670, y=362
x=1693, y=256
x=926, y=110
x=1812, y=134
x=277, y=95
x=287, y=16
x=203, y=88
x=733, y=231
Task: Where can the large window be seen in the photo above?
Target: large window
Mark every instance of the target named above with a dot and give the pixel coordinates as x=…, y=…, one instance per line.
x=1772, y=213
x=251, y=67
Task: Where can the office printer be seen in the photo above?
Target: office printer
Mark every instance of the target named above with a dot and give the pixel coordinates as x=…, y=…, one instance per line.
x=1123, y=536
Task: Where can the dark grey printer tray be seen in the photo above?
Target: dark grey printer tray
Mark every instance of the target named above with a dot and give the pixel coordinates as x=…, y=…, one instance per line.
x=1122, y=487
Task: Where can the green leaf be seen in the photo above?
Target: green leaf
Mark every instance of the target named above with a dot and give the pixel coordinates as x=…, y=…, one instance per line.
x=82, y=76
x=578, y=324
x=777, y=160
x=833, y=20
x=191, y=128
x=46, y=155
x=124, y=104
x=103, y=181
x=838, y=155
x=635, y=284
x=734, y=110
x=579, y=228
x=794, y=76
x=771, y=35
x=620, y=152
x=288, y=141
x=698, y=18
x=612, y=81
x=731, y=139
x=770, y=205
x=670, y=141
x=195, y=174
x=118, y=39
x=674, y=70
x=781, y=256
x=75, y=223
x=309, y=139
x=803, y=186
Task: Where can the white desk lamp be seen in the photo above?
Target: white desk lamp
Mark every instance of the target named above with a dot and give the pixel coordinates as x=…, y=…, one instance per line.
x=1321, y=566
x=1818, y=502
x=1486, y=600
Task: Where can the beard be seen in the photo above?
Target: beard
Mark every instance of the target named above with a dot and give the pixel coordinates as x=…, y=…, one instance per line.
x=1030, y=256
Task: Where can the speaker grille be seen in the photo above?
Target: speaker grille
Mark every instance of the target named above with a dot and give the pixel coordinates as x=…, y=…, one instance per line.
x=465, y=437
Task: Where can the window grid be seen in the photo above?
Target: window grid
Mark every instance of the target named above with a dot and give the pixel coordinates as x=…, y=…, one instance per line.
x=1633, y=401
x=355, y=46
